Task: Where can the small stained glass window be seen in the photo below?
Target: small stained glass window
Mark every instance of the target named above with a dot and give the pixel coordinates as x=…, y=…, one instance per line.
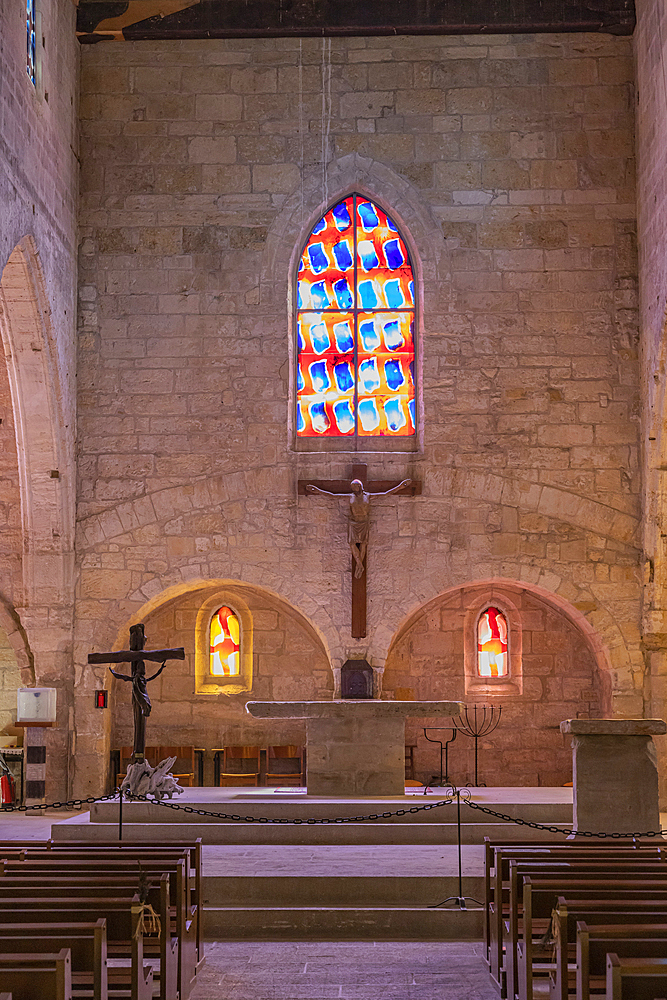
x=355, y=327
x=492, y=659
x=31, y=40
x=225, y=643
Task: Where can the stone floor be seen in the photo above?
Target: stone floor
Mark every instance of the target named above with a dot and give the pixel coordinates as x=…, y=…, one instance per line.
x=386, y=970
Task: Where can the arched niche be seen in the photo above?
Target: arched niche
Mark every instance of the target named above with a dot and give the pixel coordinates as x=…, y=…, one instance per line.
x=289, y=662
x=559, y=673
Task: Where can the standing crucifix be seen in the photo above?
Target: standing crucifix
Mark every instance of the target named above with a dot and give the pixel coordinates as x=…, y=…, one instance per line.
x=141, y=703
x=359, y=493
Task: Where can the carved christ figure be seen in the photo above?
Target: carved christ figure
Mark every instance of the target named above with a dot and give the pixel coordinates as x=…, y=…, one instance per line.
x=358, y=520
x=141, y=703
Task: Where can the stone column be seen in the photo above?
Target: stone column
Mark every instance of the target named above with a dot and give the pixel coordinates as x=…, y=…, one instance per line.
x=615, y=774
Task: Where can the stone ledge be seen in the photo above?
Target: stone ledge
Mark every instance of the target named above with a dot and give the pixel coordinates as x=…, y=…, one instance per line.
x=350, y=708
x=614, y=727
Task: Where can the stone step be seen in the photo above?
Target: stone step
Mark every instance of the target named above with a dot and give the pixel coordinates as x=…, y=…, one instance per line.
x=335, y=923
x=298, y=807
x=263, y=833
x=377, y=891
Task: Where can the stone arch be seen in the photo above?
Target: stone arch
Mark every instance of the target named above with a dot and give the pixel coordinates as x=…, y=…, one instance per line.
x=18, y=640
x=44, y=460
x=575, y=615
x=564, y=674
x=290, y=662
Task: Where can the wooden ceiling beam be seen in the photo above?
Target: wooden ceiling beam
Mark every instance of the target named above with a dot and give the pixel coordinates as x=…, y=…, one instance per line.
x=171, y=19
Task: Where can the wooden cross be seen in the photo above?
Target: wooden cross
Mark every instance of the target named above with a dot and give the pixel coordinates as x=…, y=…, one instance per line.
x=343, y=487
x=141, y=703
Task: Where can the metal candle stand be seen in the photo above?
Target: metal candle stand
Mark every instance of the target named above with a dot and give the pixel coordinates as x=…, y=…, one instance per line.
x=444, y=748
x=477, y=726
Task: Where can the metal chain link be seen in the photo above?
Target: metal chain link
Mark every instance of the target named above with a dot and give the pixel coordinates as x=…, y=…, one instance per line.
x=334, y=820
x=69, y=804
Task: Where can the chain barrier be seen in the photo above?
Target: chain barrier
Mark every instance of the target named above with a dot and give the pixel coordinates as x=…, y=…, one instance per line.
x=336, y=820
x=328, y=821
x=69, y=804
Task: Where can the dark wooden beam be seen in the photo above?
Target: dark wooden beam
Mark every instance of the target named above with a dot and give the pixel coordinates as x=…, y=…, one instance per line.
x=99, y=19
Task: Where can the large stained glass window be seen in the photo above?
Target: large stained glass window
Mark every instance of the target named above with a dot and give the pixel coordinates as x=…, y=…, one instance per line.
x=31, y=40
x=225, y=643
x=355, y=327
x=492, y=660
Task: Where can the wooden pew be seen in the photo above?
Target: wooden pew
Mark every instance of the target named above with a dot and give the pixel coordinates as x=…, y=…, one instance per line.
x=65, y=894
x=122, y=918
x=554, y=875
x=141, y=850
x=595, y=942
x=499, y=857
x=37, y=976
x=87, y=944
x=635, y=978
x=126, y=871
x=568, y=917
x=540, y=898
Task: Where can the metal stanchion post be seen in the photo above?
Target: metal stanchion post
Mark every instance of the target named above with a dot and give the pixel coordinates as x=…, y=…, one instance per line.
x=120, y=814
x=460, y=900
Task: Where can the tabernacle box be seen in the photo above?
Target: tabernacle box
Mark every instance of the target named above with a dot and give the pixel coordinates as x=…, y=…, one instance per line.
x=36, y=707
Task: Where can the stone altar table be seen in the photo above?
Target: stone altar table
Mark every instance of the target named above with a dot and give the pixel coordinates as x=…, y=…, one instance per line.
x=354, y=747
x=615, y=774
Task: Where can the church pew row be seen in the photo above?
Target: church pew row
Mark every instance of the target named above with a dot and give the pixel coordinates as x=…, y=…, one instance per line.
x=68, y=896
x=118, y=857
x=88, y=951
x=498, y=856
x=182, y=912
x=533, y=942
x=635, y=978
x=594, y=942
x=38, y=976
x=507, y=864
x=131, y=975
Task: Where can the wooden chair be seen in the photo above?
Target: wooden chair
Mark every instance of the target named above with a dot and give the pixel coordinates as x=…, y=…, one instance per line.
x=184, y=768
x=290, y=767
x=237, y=764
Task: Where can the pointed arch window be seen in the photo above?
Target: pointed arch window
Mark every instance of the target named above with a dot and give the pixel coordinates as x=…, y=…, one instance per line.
x=492, y=644
x=225, y=643
x=355, y=323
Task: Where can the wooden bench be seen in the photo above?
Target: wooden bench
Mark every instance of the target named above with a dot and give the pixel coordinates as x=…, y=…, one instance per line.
x=635, y=978
x=65, y=894
x=595, y=942
x=122, y=918
x=555, y=876
x=37, y=976
x=87, y=944
x=126, y=873
x=498, y=858
x=528, y=938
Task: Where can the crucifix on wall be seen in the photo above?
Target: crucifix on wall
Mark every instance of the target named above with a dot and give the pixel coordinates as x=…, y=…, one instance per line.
x=359, y=493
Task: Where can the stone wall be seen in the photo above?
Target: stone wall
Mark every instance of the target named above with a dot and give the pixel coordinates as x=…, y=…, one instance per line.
x=553, y=675
x=288, y=663
x=508, y=161
x=651, y=57
x=38, y=208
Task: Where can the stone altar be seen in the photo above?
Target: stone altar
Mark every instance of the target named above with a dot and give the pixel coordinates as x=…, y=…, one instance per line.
x=354, y=747
x=615, y=774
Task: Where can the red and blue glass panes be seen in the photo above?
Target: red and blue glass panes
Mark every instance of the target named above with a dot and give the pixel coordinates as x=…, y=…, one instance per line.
x=31, y=39
x=355, y=326
x=225, y=643
x=492, y=660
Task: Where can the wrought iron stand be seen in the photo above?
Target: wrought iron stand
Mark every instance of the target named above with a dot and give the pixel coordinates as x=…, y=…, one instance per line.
x=444, y=747
x=477, y=726
x=459, y=900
